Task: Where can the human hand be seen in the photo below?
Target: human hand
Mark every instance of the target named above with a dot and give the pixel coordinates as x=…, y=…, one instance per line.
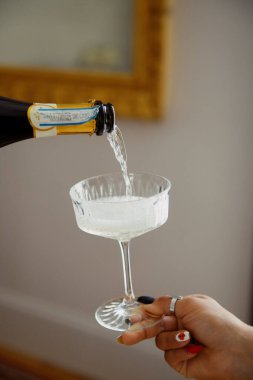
x=225, y=344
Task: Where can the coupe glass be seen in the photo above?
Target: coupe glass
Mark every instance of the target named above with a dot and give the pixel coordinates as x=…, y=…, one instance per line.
x=102, y=208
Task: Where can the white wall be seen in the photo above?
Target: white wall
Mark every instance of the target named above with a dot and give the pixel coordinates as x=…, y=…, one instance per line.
x=53, y=276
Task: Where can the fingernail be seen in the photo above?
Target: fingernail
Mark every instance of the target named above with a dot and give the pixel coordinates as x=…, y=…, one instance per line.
x=182, y=336
x=145, y=299
x=135, y=327
x=194, y=348
x=119, y=340
x=128, y=321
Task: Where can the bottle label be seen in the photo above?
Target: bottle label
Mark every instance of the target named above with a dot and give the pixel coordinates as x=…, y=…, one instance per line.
x=53, y=119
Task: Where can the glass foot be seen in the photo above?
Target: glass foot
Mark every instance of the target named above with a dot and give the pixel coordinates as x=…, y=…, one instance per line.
x=119, y=315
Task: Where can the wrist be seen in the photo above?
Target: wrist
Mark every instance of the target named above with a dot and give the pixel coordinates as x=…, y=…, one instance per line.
x=243, y=363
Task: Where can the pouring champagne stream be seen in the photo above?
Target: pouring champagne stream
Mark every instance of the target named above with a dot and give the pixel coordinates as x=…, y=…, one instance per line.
x=121, y=206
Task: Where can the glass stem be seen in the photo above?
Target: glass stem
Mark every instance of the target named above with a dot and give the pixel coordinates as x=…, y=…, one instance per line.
x=125, y=252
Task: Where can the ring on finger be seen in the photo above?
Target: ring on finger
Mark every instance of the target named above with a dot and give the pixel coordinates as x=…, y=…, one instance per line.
x=173, y=302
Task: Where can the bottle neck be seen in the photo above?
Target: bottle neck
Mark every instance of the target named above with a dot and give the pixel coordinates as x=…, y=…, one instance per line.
x=23, y=120
x=53, y=119
x=105, y=120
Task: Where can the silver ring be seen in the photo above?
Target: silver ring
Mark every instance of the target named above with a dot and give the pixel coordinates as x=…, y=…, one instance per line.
x=173, y=302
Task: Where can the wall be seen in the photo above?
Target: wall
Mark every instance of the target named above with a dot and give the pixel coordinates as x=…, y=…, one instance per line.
x=53, y=276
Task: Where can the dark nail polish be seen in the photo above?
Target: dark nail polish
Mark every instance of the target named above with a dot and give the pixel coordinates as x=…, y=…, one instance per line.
x=145, y=299
x=128, y=322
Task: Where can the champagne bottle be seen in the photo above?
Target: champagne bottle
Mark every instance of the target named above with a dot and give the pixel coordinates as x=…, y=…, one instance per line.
x=22, y=120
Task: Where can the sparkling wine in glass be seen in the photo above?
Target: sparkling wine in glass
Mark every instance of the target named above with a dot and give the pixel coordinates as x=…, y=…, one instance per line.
x=102, y=207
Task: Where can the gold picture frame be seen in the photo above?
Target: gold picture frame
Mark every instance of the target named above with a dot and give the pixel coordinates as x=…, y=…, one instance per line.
x=136, y=94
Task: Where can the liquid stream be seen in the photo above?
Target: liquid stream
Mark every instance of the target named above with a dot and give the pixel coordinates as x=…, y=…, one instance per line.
x=116, y=141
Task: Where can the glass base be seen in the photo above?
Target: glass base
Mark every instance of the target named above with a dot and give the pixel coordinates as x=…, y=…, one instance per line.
x=119, y=315
x=116, y=313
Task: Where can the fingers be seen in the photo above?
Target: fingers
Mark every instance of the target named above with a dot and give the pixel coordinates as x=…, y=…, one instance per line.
x=139, y=333
x=171, y=340
x=157, y=310
x=132, y=337
x=160, y=306
x=178, y=358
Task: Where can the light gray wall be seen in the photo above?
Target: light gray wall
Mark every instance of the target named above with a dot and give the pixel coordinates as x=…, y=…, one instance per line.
x=52, y=273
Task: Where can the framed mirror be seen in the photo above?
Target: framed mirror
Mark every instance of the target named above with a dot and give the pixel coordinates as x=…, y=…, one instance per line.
x=69, y=51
